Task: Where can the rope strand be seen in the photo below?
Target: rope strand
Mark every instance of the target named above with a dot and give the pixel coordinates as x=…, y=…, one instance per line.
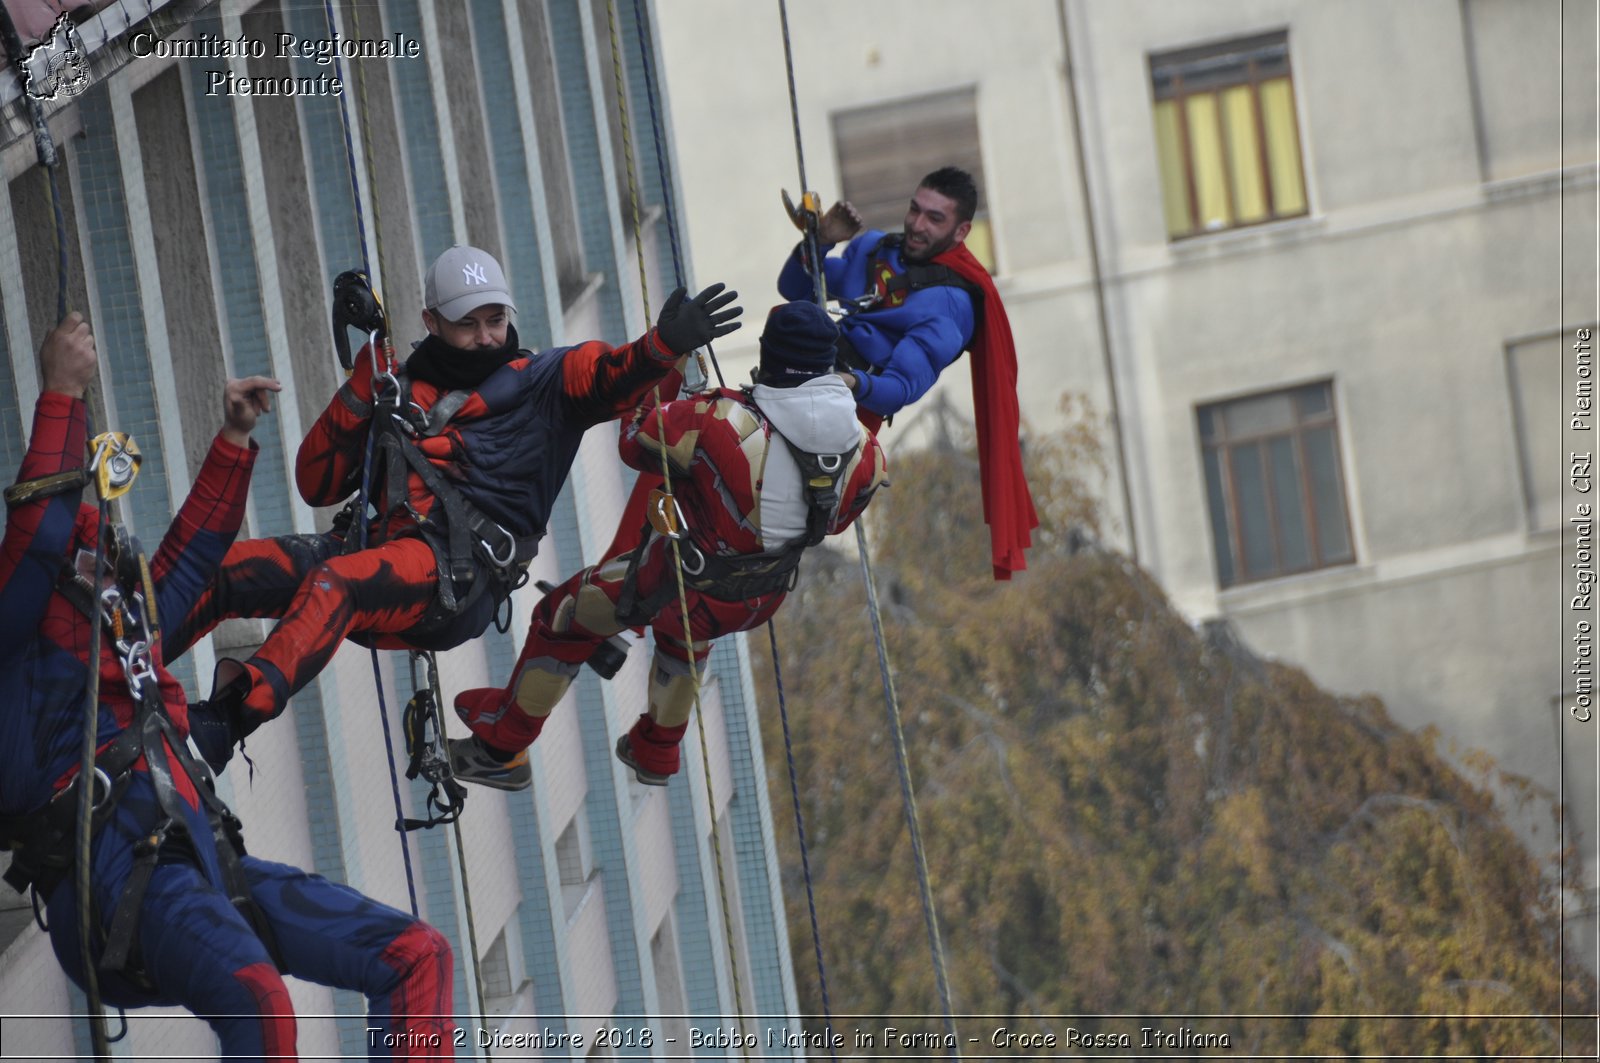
x=800, y=832
x=663, y=167
x=677, y=559
x=365, y=491
x=908, y=797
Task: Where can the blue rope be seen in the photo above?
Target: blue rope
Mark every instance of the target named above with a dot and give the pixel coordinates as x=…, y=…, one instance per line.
x=365, y=493
x=349, y=147
x=664, y=168
x=662, y=165
x=800, y=830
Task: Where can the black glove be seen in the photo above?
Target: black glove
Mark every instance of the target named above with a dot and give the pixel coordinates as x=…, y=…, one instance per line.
x=684, y=325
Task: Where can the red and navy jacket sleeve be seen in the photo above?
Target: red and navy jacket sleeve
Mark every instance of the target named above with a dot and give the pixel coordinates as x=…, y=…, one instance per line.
x=38, y=533
x=600, y=382
x=204, y=527
x=327, y=468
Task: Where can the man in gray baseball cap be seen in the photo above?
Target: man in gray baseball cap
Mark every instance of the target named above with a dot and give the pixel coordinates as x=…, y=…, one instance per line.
x=467, y=311
x=460, y=496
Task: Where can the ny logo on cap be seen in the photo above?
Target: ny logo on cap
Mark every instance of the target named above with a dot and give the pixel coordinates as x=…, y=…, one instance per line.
x=473, y=274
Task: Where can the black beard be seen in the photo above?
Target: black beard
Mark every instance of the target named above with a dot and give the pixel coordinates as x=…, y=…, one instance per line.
x=934, y=251
x=457, y=368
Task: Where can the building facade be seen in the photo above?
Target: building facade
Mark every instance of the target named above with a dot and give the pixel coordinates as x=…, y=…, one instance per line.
x=1327, y=270
x=207, y=203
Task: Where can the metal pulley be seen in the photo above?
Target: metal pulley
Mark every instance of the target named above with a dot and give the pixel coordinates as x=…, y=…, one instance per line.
x=114, y=464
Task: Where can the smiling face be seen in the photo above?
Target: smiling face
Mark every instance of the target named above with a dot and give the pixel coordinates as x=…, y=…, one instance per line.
x=483, y=329
x=932, y=226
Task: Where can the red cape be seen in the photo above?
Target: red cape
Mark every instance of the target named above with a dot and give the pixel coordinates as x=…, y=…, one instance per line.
x=1007, y=503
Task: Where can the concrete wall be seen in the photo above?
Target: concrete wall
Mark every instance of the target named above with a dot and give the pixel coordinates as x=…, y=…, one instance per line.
x=1449, y=151
x=204, y=231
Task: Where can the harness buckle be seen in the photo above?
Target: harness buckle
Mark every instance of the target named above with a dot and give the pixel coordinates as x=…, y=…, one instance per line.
x=100, y=793
x=664, y=515
x=111, y=604
x=138, y=667
x=385, y=386
x=510, y=549
x=683, y=559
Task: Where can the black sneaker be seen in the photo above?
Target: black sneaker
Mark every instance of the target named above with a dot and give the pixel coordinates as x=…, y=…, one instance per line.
x=216, y=724
x=471, y=762
x=212, y=735
x=644, y=775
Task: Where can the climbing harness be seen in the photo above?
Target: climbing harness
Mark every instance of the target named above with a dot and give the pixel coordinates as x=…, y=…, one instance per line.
x=467, y=543
x=885, y=287
x=743, y=576
x=426, y=748
x=115, y=592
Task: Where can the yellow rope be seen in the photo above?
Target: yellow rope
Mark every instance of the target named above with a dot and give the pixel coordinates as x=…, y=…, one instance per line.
x=677, y=559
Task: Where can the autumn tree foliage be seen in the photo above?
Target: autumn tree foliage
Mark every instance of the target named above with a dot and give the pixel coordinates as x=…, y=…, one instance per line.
x=1125, y=816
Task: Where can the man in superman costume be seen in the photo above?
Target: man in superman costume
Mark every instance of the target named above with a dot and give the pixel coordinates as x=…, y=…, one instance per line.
x=181, y=914
x=915, y=301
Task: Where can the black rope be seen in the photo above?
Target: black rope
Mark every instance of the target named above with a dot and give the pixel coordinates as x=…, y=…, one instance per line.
x=794, y=98
x=891, y=705
x=87, y=931
x=362, y=497
x=800, y=831
x=663, y=168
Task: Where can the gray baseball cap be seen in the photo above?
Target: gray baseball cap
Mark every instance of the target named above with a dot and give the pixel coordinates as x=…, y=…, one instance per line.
x=463, y=279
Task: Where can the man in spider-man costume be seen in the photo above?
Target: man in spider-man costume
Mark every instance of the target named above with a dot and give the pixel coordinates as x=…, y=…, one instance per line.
x=473, y=438
x=760, y=475
x=182, y=916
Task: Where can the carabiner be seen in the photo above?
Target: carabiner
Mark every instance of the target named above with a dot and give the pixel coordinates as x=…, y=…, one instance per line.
x=511, y=550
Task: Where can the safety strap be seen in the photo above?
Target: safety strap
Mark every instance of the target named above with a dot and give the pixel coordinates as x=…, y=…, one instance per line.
x=153, y=734
x=744, y=576
x=41, y=841
x=468, y=535
x=821, y=474
x=912, y=278
x=56, y=483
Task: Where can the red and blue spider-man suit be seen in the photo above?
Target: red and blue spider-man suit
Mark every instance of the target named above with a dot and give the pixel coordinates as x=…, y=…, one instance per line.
x=507, y=449
x=193, y=948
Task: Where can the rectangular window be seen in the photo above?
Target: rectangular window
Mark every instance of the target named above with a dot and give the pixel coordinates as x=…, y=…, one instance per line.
x=1226, y=137
x=1274, y=486
x=885, y=149
x=1534, y=368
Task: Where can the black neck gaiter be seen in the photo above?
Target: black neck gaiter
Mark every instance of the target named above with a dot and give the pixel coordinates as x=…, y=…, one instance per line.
x=456, y=368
